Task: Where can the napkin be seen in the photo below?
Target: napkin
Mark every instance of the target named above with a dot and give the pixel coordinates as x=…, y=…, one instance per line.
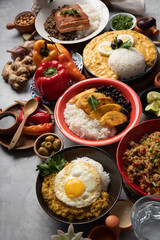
x=132, y=6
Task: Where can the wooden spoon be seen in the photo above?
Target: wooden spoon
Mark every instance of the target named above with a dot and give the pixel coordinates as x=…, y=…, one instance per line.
x=29, y=108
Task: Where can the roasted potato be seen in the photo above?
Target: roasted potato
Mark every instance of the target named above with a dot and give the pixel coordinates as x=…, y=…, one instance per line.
x=100, y=111
x=79, y=95
x=112, y=119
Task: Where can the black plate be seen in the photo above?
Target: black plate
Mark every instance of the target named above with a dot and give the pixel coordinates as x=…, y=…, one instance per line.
x=109, y=166
x=144, y=102
x=136, y=79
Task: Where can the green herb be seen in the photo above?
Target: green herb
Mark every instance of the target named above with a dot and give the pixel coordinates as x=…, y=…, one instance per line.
x=148, y=145
x=93, y=101
x=158, y=143
x=151, y=151
x=154, y=184
x=70, y=12
x=151, y=159
x=126, y=44
x=158, y=160
x=52, y=165
x=137, y=170
x=121, y=22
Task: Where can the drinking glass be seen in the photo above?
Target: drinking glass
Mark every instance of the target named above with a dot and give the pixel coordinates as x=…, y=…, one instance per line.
x=145, y=217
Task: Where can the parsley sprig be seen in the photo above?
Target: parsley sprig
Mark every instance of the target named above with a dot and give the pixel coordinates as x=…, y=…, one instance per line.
x=53, y=164
x=126, y=44
x=93, y=102
x=70, y=12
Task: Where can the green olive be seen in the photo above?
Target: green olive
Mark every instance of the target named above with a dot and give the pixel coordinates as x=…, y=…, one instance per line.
x=49, y=138
x=43, y=144
x=48, y=146
x=56, y=145
x=43, y=151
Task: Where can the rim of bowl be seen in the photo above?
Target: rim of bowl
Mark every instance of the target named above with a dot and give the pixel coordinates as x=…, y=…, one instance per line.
x=125, y=14
x=125, y=176
x=92, y=82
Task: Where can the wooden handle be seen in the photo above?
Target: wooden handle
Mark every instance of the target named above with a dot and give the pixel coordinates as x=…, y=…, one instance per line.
x=10, y=26
x=17, y=134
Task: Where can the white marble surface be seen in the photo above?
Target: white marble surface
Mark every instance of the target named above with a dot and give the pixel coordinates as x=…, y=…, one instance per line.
x=21, y=216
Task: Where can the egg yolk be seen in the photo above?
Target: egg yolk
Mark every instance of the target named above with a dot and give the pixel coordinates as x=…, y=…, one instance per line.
x=106, y=48
x=74, y=188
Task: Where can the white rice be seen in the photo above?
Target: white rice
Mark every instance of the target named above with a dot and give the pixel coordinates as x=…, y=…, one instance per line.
x=85, y=127
x=127, y=63
x=104, y=175
x=94, y=21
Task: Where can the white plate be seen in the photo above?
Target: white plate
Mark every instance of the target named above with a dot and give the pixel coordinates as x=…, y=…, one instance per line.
x=44, y=13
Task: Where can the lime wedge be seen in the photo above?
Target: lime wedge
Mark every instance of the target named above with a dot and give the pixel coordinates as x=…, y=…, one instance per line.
x=158, y=113
x=158, y=101
x=153, y=95
x=152, y=107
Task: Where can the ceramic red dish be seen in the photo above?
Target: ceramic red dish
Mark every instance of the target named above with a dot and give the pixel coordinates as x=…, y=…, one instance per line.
x=134, y=134
x=127, y=92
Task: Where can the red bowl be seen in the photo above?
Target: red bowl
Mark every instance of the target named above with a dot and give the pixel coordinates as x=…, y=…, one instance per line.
x=134, y=134
x=127, y=92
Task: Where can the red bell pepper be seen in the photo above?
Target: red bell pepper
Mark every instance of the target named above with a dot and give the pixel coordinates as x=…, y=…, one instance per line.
x=35, y=118
x=51, y=80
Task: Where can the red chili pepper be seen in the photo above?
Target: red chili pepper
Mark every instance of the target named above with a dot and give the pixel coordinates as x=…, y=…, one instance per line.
x=51, y=79
x=35, y=118
x=36, y=130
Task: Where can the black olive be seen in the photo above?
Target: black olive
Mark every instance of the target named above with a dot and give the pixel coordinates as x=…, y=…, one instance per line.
x=146, y=23
x=119, y=42
x=113, y=45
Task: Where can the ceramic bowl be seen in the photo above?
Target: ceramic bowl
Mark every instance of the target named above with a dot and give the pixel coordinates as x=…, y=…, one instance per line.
x=109, y=165
x=134, y=134
x=143, y=98
x=128, y=93
x=157, y=80
x=22, y=28
x=123, y=14
x=9, y=129
x=153, y=31
x=41, y=139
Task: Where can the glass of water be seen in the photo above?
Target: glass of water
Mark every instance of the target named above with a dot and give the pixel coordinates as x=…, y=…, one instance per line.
x=145, y=217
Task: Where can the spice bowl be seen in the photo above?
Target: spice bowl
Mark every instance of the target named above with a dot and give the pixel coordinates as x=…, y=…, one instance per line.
x=47, y=144
x=8, y=123
x=124, y=26
x=157, y=80
x=24, y=22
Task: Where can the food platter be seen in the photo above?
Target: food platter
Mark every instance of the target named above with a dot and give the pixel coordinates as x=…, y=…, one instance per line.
x=25, y=141
x=109, y=166
x=101, y=8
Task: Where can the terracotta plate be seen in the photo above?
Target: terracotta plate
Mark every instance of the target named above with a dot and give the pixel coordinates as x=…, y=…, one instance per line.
x=25, y=141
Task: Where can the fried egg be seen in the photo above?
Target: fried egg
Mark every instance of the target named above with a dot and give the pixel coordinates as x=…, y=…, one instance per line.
x=125, y=38
x=78, y=184
x=105, y=48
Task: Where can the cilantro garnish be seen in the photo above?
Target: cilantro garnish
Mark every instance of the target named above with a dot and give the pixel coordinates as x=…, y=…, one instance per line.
x=93, y=102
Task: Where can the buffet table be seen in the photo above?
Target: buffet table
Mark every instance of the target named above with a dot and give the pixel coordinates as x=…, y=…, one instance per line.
x=21, y=215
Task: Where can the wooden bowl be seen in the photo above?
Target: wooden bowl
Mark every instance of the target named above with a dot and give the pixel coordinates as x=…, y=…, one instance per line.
x=28, y=28
x=40, y=139
x=157, y=80
x=13, y=127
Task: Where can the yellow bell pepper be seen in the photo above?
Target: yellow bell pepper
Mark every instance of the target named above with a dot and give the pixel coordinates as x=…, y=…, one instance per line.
x=44, y=52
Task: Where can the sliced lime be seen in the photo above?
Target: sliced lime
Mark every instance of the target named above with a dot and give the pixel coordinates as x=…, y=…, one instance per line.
x=152, y=107
x=153, y=95
x=158, y=101
x=158, y=113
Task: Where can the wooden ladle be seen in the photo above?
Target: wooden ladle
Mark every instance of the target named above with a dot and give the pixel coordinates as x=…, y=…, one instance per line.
x=29, y=108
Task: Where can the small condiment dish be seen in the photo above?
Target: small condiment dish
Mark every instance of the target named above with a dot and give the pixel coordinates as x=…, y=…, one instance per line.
x=41, y=142
x=123, y=14
x=21, y=25
x=122, y=210
x=152, y=31
x=10, y=123
x=157, y=80
x=101, y=232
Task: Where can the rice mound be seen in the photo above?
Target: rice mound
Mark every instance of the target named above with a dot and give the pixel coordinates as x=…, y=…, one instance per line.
x=127, y=63
x=94, y=21
x=85, y=127
x=103, y=174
